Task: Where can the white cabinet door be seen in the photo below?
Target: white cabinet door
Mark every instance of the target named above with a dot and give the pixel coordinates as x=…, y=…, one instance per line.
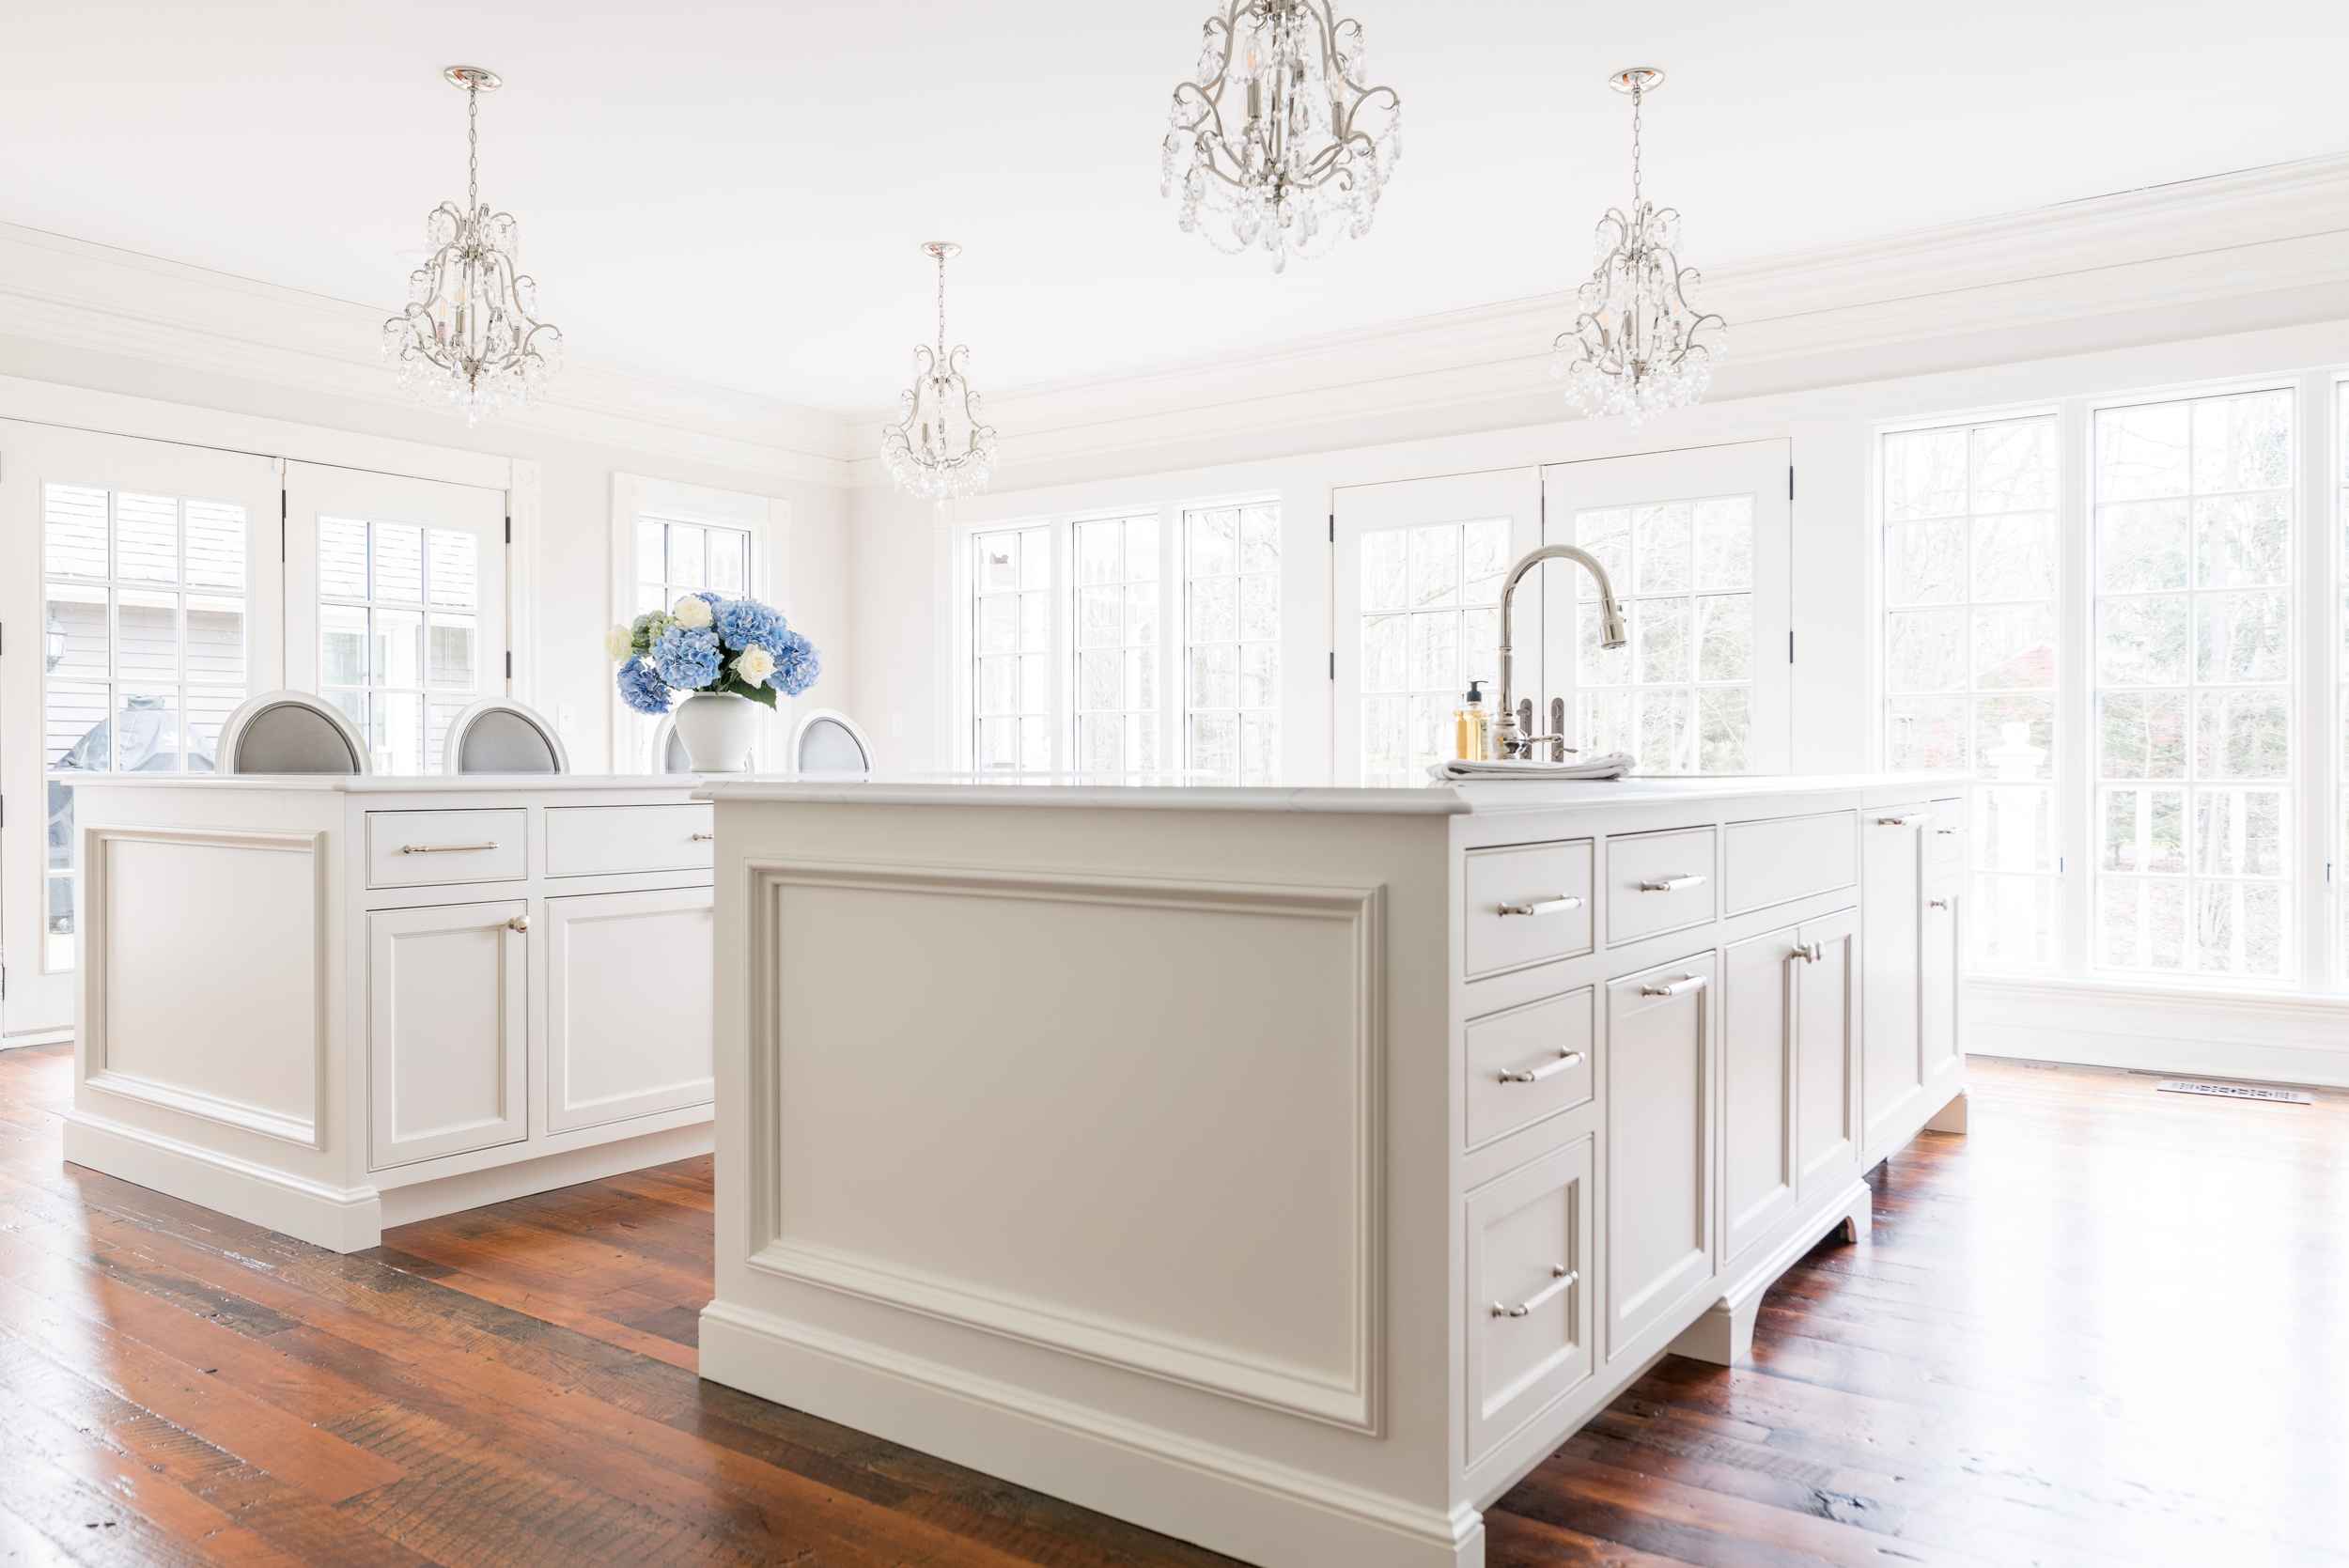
x=1826, y=1053
x=1699, y=546
x=394, y=603
x=139, y=586
x=448, y=1030
x=1938, y=939
x=1758, y=1077
x=1892, y=867
x=1417, y=613
x=629, y=1005
x=1529, y=1299
x=1659, y=1144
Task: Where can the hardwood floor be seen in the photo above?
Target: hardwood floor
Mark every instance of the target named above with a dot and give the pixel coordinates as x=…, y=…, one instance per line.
x=2108, y=1326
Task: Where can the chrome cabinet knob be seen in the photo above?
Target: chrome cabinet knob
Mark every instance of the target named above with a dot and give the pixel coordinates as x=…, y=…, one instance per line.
x=519, y=923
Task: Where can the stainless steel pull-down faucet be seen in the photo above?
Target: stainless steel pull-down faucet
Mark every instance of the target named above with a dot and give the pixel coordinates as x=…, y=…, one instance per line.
x=1507, y=739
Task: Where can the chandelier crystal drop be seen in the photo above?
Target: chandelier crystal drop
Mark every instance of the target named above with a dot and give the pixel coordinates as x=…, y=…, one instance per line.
x=1639, y=347
x=470, y=334
x=1278, y=145
x=942, y=449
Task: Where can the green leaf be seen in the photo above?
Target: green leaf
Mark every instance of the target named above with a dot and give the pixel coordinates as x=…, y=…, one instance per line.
x=735, y=685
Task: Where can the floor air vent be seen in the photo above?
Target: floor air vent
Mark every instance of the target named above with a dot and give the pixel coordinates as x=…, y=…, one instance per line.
x=2269, y=1092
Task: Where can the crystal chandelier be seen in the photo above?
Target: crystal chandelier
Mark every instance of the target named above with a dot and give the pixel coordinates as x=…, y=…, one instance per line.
x=942, y=449
x=1639, y=347
x=1298, y=161
x=470, y=333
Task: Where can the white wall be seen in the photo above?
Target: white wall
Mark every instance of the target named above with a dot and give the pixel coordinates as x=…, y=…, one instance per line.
x=570, y=561
x=900, y=577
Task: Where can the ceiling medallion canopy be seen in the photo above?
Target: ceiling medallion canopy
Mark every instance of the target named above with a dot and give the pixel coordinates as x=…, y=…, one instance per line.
x=470, y=334
x=1277, y=143
x=942, y=449
x=1639, y=347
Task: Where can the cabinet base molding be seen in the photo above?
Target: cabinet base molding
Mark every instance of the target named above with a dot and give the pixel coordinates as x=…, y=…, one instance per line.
x=1723, y=1333
x=342, y=1219
x=345, y=1220
x=1950, y=1117
x=495, y=1184
x=1218, y=1498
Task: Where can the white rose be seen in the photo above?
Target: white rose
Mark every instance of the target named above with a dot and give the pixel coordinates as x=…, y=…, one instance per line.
x=617, y=643
x=755, y=665
x=692, y=613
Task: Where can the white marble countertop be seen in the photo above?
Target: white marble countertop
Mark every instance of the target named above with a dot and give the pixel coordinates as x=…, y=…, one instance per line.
x=1173, y=792
x=382, y=784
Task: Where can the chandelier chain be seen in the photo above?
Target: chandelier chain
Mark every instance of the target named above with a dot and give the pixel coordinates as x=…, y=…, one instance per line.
x=941, y=302
x=472, y=147
x=1638, y=92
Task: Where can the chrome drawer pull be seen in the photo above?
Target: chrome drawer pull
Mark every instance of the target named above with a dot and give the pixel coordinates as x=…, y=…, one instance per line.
x=1557, y=905
x=1681, y=986
x=1810, y=953
x=1562, y=1279
x=446, y=848
x=1673, y=884
x=1937, y=903
x=1549, y=1069
x=1946, y=832
x=1914, y=819
x=705, y=838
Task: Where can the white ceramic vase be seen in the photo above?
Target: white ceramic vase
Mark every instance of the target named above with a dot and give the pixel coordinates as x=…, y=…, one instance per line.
x=719, y=730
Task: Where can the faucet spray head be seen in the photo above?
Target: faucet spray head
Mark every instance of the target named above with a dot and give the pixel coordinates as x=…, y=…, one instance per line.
x=1610, y=630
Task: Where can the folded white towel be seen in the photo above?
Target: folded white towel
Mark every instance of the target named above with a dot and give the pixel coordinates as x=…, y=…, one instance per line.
x=1607, y=765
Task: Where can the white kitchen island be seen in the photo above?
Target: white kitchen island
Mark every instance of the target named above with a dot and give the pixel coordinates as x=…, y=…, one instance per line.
x=1290, y=1171
x=331, y=1004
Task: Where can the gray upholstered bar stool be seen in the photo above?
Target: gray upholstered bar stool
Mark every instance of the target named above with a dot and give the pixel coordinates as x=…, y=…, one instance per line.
x=290, y=732
x=499, y=736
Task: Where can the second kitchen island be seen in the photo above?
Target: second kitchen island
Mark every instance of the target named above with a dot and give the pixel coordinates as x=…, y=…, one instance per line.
x=1290, y=1171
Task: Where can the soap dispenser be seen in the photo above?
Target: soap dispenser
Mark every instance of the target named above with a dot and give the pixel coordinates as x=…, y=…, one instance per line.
x=1472, y=727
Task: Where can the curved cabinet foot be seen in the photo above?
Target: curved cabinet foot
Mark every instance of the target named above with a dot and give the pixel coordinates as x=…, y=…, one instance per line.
x=1950, y=1117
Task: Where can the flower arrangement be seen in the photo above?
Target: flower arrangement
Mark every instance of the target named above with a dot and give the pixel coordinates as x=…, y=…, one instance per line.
x=705, y=643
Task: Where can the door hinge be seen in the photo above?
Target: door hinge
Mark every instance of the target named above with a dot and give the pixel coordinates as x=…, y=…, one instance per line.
x=284, y=509
x=1333, y=528
x=1333, y=663
x=509, y=531
x=1790, y=482
x=509, y=664
x=1790, y=647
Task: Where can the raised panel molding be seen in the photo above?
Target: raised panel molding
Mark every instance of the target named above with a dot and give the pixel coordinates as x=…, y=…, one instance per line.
x=99, y=1069
x=1232, y=1371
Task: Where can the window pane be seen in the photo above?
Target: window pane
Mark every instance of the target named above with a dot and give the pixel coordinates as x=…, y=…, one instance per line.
x=215, y=544
x=1970, y=657
x=215, y=640
x=396, y=655
x=2192, y=533
x=729, y=555
x=73, y=530
x=146, y=539
x=398, y=562
x=342, y=558
x=80, y=614
x=146, y=638
x=1425, y=655
x=1010, y=690
x=687, y=563
x=456, y=569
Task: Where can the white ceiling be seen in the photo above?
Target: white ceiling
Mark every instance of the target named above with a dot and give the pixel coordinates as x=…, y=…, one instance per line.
x=732, y=193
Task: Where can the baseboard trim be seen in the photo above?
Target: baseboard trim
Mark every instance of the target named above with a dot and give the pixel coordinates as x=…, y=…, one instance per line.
x=36, y=1037
x=495, y=1184
x=1220, y=1498
x=2265, y=1038
x=343, y=1220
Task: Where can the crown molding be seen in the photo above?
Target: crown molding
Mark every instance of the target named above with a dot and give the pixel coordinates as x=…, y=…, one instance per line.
x=2261, y=248
x=59, y=290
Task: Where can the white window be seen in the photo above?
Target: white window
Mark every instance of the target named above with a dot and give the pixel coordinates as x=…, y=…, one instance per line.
x=400, y=649
x=1679, y=695
x=1428, y=592
x=1010, y=662
x=1119, y=618
x=144, y=643
x=1232, y=621
x=2194, y=655
x=1971, y=656
x=674, y=558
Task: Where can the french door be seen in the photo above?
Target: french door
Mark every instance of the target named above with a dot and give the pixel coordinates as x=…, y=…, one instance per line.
x=1419, y=568
x=394, y=603
x=1698, y=544
x=140, y=590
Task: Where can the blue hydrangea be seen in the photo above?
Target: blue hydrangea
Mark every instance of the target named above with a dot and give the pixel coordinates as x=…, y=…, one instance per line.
x=797, y=665
x=688, y=661
x=743, y=623
x=642, y=688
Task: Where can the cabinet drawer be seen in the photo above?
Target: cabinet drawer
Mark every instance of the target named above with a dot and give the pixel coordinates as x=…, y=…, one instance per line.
x=1527, y=904
x=596, y=841
x=1658, y=882
x=1945, y=835
x=416, y=848
x=1788, y=858
x=1529, y=1293
x=1529, y=1062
